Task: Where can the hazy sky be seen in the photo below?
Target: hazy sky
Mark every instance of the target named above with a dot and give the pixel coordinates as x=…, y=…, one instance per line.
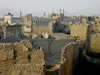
x=86, y=7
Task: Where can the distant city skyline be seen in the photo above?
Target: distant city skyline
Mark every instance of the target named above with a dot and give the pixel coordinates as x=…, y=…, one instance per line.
x=37, y=7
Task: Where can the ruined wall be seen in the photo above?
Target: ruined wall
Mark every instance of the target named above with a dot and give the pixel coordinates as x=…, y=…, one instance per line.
x=95, y=42
x=13, y=31
x=20, y=59
x=79, y=31
x=70, y=55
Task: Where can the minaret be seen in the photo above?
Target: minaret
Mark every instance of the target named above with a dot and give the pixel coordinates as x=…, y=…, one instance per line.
x=63, y=11
x=60, y=11
x=52, y=12
x=44, y=14
x=20, y=14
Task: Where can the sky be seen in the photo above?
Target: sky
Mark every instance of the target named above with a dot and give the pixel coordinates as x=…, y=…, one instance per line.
x=37, y=7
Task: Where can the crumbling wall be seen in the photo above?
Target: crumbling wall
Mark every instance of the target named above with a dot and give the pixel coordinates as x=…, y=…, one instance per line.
x=21, y=59
x=79, y=31
x=70, y=55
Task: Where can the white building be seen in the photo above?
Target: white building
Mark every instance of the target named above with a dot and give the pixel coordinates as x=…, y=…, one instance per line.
x=8, y=18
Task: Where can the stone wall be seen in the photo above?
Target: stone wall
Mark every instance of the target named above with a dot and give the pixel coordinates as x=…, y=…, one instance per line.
x=95, y=42
x=79, y=31
x=21, y=59
x=39, y=29
x=70, y=55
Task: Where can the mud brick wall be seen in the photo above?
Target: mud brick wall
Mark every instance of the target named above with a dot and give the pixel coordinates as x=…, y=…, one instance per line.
x=21, y=59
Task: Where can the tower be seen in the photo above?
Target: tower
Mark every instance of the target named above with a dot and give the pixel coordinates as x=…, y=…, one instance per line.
x=20, y=14
x=44, y=14
x=60, y=11
x=63, y=11
x=61, y=15
x=21, y=17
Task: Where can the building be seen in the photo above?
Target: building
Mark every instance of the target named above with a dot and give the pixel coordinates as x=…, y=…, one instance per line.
x=11, y=20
